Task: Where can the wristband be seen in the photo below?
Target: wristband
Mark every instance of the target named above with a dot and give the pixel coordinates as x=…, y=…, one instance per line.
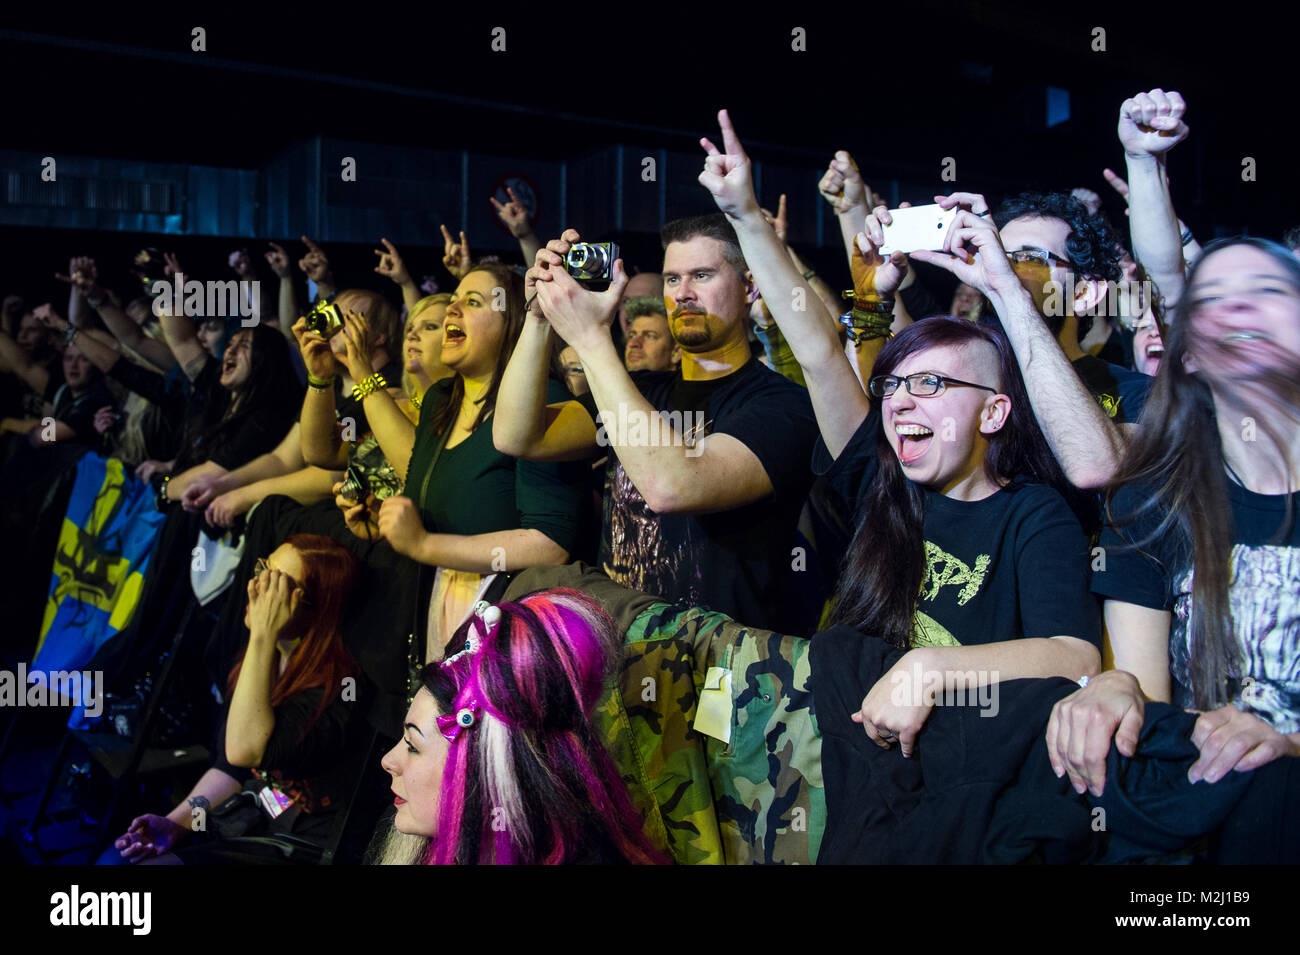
x=1188, y=238
x=865, y=327
x=97, y=303
x=322, y=384
x=69, y=334
x=872, y=304
x=809, y=274
x=368, y=386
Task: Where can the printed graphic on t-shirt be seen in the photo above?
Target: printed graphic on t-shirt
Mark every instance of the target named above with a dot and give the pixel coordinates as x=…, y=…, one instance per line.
x=928, y=632
x=943, y=569
x=1265, y=602
x=1109, y=404
x=636, y=552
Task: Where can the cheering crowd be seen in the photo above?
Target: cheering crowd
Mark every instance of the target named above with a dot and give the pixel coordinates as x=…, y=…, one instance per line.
x=705, y=563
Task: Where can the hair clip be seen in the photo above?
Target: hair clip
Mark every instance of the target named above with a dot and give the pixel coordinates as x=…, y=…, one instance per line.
x=490, y=614
x=466, y=716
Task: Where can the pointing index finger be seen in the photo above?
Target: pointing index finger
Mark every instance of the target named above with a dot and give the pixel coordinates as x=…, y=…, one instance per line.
x=729, y=141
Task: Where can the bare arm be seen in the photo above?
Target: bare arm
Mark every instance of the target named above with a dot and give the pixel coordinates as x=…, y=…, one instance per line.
x=1138, y=639
x=524, y=425
x=1086, y=443
x=35, y=376
x=399, y=523
x=215, y=786
x=184, y=344
x=1150, y=124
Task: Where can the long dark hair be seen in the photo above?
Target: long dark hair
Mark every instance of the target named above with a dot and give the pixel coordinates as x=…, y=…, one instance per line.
x=885, y=566
x=513, y=283
x=320, y=659
x=1178, y=455
x=272, y=392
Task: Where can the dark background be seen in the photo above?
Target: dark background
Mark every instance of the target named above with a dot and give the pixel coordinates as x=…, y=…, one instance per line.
x=900, y=87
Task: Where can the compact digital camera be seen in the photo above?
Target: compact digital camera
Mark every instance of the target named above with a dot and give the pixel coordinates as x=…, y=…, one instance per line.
x=591, y=261
x=324, y=319
x=354, y=486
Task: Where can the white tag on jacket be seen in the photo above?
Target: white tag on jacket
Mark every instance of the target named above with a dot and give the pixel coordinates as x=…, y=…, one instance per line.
x=713, y=715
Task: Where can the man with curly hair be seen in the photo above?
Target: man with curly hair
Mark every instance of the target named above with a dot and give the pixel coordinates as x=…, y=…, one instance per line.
x=1069, y=255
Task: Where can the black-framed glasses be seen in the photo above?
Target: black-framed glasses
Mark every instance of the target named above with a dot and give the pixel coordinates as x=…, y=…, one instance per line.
x=923, y=384
x=262, y=566
x=1039, y=256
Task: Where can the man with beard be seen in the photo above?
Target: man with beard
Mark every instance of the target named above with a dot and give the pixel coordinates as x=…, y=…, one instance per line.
x=710, y=463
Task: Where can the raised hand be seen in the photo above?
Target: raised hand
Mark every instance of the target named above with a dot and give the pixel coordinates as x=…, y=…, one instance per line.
x=552, y=256
x=727, y=175
x=171, y=264
x=842, y=185
x=239, y=262
x=873, y=275
x=780, y=225
x=51, y=319
x=356, y=335
x=81, y=273
x=316, y=354
x=455, y=255
x=513, y=214
x=391, y=265
x=973, y=252
x=149, y=836
x=314, y=263
x=1151, y=124
x=278, y=260
x=579, y=315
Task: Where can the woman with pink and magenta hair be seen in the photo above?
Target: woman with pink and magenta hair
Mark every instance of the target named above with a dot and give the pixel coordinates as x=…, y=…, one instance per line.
x=499, y=762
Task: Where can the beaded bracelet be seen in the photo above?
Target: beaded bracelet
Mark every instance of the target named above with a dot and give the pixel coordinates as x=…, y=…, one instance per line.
x=368, y=386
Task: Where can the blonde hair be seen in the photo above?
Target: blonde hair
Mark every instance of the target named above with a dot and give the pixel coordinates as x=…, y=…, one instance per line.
x=409, y=384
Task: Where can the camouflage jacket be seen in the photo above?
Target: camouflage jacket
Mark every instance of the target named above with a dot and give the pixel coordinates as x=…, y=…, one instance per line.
x=756, y=799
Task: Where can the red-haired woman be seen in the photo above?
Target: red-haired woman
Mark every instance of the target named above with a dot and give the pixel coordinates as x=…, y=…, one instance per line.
x=288, y=720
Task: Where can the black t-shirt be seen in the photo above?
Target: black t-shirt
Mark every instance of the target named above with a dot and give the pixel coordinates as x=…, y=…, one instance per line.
x=1120, y=392
x=313, y=767
x=230, y=443
x=78, y=412
x=739, y=561
x=1012, y=565
x=1264, y=594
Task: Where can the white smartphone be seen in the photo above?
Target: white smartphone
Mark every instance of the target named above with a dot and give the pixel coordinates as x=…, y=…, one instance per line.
x=917, y=227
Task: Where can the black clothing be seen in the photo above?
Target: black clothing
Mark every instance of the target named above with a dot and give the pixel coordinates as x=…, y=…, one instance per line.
x=1121, y=393
x=738, y=561
x=979, y=787
x=1012, y=565
x=1264, y=594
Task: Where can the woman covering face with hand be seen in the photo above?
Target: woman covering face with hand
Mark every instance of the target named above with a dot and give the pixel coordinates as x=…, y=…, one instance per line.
x=288, y=719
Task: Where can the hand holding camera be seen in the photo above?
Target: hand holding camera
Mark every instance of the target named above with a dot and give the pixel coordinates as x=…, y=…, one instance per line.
x=579, y=315
x=314, y=344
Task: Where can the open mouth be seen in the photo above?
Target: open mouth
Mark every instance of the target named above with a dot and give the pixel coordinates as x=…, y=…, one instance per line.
x=913, y=441
x=1155, y=351
x=452, y=334
x=1246, y=336
x=227, y=366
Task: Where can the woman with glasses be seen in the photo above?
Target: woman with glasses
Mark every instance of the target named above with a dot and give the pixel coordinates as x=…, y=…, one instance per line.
x=280, y=760
x=965, y=554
